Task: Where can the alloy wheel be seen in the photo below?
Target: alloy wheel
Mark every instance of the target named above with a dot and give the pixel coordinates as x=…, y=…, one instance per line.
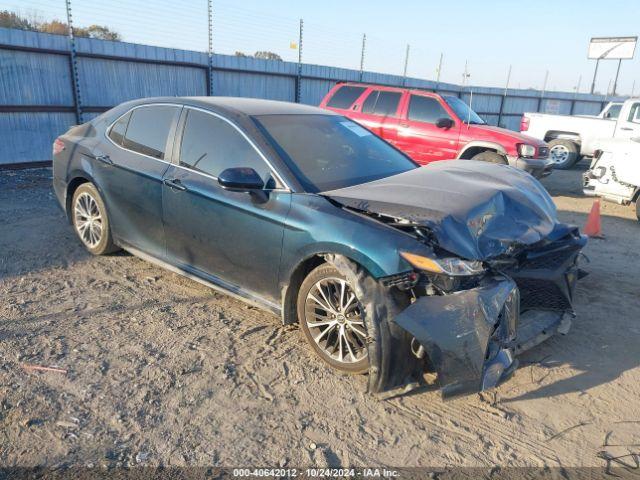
x=88, y=219
x=335, y=320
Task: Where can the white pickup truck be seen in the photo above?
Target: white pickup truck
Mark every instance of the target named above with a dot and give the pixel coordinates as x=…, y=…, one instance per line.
x=570, y=137
x=614, y=174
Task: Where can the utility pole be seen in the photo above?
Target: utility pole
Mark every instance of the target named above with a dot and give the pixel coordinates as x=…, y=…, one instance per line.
x=299, y=77
x=364, y=42
x=210, y=49
x=439, y=71
x=506, y=87
x=633, y=88
x=406, y=64
x=465, y=74
x=73, y=61
x=544, y=85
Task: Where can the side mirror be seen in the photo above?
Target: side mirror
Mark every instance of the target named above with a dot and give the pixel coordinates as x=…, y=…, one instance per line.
x=240, y=179
x=445, y=123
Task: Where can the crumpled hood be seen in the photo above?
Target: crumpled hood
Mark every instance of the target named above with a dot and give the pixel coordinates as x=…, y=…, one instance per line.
x=476, y=210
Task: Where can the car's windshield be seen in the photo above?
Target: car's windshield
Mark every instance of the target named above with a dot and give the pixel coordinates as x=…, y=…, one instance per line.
x=464, y=113
x=326, y=152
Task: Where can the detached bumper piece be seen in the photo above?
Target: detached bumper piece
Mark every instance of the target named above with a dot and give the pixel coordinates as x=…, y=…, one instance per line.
x=467, y=334
x=472, y=336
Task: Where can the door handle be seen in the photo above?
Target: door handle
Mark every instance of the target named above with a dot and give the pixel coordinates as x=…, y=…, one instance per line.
x=626, y=128
x=404, y=124
x=174, y=184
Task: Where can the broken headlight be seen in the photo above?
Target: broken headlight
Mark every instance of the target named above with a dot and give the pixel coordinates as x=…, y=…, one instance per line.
x=455, y=267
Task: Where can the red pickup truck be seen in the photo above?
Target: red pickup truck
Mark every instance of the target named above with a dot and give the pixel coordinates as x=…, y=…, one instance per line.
x=429, y=127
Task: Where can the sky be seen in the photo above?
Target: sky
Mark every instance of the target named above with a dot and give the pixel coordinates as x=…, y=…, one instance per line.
x=531, y=37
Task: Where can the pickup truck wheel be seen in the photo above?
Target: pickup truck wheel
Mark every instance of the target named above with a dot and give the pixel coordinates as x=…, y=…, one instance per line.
x=491, y=157
x=638, y=207
x=564, y=153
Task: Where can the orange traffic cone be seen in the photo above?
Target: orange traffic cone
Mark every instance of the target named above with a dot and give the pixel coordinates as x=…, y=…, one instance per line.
x=593, y=227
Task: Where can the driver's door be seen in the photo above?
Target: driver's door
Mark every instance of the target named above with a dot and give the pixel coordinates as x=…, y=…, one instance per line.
x=232, y=236
x=420, y=137
x=629, y=125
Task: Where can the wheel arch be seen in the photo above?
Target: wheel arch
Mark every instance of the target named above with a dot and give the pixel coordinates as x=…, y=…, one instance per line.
x=473, y=148
x=75, y=180
x=562, y=135
x=296, y=275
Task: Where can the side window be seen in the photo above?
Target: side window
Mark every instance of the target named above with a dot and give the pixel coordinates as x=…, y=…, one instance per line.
x=387, y=104
x=370, y=103
x=345, y=96
x=210, y=145
x=148, y=130
x=425, y=109
x=634, y=114
x=119, y=128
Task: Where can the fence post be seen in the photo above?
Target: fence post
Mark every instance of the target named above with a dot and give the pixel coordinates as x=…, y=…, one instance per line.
x=210, y=50
x=73, y=63
x=299, y=76
x=406, y=64
x=364, y=42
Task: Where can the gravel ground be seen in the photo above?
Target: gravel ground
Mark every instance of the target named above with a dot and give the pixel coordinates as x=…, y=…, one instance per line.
x=163, y=371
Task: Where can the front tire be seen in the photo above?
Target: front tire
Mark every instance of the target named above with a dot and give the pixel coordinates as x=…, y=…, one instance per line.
x=332, y=320
x=490, y=157
x=564, y=153
x=90, y=220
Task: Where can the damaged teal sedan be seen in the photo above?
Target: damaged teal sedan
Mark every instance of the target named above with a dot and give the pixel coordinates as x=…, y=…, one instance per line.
x=389, y=268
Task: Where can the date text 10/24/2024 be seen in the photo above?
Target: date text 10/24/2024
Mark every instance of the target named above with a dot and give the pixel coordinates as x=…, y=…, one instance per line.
x=316, y=472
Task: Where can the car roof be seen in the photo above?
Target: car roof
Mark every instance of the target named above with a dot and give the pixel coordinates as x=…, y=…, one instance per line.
x=391, y=88
x=241, y=105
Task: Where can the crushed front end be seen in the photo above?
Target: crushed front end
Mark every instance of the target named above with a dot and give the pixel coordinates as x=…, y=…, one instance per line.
x=493, y=273
x=472, y=328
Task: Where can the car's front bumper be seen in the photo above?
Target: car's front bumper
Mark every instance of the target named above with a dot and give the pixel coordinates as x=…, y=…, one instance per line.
x=538, y=167
x=472, y=336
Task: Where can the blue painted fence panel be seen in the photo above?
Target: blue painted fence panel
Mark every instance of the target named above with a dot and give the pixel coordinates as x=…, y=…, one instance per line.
x=43, y=78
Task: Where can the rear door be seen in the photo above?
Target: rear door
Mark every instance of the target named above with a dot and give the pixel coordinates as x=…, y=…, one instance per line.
x=418, y=135
x=629, y=125
x=231, y=236
x=379, y=113
x=130, y=171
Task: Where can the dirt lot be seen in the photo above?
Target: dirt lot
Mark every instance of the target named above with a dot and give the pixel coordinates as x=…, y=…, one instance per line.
x=163, y=371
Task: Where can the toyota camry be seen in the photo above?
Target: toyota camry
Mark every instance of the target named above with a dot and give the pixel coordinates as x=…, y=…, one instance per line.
x=389, y=268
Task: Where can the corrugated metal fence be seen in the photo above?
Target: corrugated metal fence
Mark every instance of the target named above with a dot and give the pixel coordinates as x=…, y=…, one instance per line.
x=37, y=99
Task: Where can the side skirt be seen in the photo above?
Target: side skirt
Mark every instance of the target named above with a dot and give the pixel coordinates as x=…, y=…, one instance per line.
x=210, y=281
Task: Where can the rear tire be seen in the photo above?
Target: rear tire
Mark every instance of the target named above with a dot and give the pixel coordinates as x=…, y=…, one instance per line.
x=490, y=157
x=90, y=220
x=564, y=153
x=340, y=337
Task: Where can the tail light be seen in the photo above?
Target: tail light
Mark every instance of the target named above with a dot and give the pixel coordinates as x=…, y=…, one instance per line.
x=524, y=124
x=58, y=146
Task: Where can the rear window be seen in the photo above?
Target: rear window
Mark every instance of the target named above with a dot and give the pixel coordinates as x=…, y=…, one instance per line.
x=426, y=109
x=382, y=103
x=345, y=96
x=148, y=130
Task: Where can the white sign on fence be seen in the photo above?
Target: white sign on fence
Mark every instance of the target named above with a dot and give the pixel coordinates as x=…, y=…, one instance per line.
x=612, y=48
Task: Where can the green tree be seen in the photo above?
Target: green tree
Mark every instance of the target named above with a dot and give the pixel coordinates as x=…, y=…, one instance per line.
x=13, y=20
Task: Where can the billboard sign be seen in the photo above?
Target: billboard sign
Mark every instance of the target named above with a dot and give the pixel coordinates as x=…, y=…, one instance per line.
x=612, y=48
